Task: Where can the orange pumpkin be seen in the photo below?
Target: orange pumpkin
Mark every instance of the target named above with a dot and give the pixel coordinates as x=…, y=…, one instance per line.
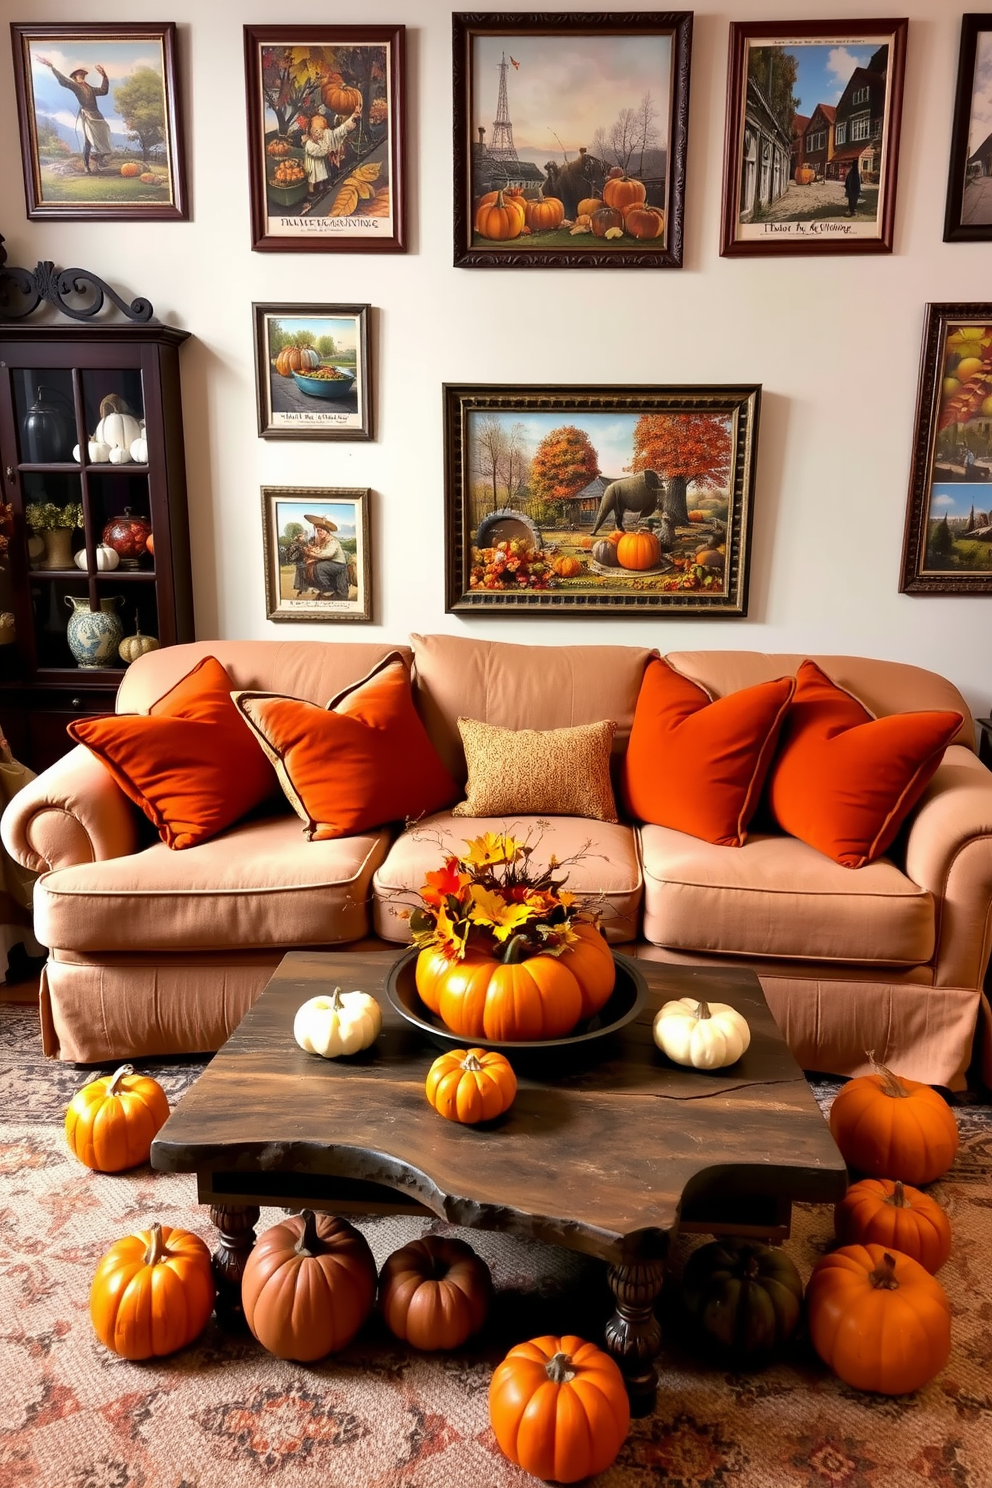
x=880, y=1212
x=889, y=1127
x=435, y=1292
x=605, y=219
x=590, y=961
x=697, y=516
x=623, y=191
x=559, y=1408
x=567, y=568
x=545, y=214
x=501, y=219
x=152, y=1293
x=130, y=168
x=644, y=222
x=148, y=178
x=296, y=359
x=638, y=550
x=480, y=997
x=308, y=1286
x=710, y=558
x=878, y=1319
x=470, y=1085
x=110, y=1123
x=585, y=541
x=589, y=205
x=339, y=97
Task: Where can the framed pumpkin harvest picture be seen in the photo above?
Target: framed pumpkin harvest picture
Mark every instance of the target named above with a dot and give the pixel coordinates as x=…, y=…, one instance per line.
x=592, y=500
x=570, y=139
x=312, y=376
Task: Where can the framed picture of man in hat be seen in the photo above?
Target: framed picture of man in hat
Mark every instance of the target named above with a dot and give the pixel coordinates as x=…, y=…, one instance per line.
x=318, y=563
x=100, y=122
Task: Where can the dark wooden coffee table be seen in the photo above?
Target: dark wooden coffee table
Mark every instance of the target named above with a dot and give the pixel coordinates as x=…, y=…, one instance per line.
x=610, y=1158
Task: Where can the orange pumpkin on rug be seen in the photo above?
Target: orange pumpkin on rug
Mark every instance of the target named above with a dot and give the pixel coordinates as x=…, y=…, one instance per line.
x=434, y=1293
x=110, y=1123
x=153, y=1293
x=890, y=1127
x=880, y=1212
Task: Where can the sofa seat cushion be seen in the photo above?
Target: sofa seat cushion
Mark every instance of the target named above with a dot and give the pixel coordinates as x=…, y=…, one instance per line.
x=777, y=897
x=607, y=876
x=259, y=885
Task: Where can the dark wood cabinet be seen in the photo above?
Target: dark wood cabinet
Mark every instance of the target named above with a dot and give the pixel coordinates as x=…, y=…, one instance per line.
x=53, y=381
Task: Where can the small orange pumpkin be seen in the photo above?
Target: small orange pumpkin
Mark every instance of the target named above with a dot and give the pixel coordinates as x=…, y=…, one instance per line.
x=470, y=1085
x=589, y=205
x=880, y=1212
x=604, y=219
x=567, y=567
x=110, y=1123
x=585, y=541
x=434, y=1293
x=130, y=168
x=697, y=516
x=623, y=191
x=545, y=214
x=152, y=1293
x=644, y=222
x=638, y=550
x=339, y=97
x=502, y=219
x=890, y=1127
x=148, y=178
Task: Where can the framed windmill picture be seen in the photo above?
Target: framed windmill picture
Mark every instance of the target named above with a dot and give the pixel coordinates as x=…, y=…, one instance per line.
x=570, y=139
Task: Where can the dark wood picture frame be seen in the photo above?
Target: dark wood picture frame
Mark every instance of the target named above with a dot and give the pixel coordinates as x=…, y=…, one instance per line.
x=516, y=544
x=479, y=168
x=968, y=214
x=142, y=186
x=284, y=566
x=292, y=405
x=362, y=207
x=769, y=163
x=947, y=547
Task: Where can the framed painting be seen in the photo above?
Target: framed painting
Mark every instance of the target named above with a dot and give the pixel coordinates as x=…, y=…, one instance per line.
x=100, y=121
x=948, y=542
x=318, y=560
x=312, y=376
x=325, y=138
x=570, y=139
x=587, y=500
x=812, y=136
x=968, y=214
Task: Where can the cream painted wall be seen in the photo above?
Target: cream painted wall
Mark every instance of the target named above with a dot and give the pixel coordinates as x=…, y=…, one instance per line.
x=835, y=344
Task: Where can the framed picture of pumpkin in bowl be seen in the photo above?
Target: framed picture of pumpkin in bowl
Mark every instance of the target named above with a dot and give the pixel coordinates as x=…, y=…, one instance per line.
x=593, y=500
x=325, y=138
x=570, y=139
x=312, y=377
x=318, y=556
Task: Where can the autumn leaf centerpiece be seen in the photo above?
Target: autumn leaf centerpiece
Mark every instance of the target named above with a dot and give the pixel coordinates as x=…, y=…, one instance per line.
x=506, y=953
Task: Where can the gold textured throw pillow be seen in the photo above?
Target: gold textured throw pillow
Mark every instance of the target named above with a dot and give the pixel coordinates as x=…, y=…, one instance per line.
x=545, y=772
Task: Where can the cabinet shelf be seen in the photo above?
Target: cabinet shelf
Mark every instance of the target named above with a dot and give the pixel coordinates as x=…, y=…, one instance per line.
x=102, y=575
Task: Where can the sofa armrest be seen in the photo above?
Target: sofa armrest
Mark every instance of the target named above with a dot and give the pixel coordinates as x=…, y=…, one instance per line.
x=73, y=812
x=949, y=852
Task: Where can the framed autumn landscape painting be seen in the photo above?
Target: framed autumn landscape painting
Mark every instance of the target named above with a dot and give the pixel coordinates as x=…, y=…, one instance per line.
x=585, y=500
x=948, y=541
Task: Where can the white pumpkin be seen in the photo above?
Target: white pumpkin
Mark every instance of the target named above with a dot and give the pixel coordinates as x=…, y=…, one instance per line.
x=343, y=1023
x=116, y=428
x=119, y=455
x=703, y=1035
x=105, y=558
x=98, y=452
x=139, y=450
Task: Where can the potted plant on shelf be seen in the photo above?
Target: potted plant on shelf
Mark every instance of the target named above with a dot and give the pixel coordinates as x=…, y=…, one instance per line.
x=54, y=525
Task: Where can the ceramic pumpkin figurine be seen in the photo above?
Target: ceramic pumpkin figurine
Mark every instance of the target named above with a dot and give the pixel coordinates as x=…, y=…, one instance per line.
x=880, y=1212
x=470, y=1085
x=890, y=1127
x=152, y=1293
x=435, y=1293
x=131, y=647
x=559, y=1408
x=110, y=1123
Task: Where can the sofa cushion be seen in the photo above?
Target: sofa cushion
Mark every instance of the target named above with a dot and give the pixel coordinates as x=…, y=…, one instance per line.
x=360, y=762
x=607, y=875
x=696, y=764
x=777, y=897
x=866, y=773
x=552, y=772
x=189, y=764
x=259, y=885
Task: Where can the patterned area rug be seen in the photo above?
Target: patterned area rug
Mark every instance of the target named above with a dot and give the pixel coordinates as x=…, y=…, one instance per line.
x=224, y=1414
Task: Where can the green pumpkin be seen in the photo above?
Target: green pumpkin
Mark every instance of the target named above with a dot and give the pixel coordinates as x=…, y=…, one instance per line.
x=605, y=553
x=741, y=1300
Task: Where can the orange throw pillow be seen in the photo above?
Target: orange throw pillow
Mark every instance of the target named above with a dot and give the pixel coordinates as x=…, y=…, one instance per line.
x=362, y=761
x=189, y=763
x=698, y=764
x=844, y=781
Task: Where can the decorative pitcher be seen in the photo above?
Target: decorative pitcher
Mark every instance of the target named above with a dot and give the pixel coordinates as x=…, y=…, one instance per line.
x=94, y=635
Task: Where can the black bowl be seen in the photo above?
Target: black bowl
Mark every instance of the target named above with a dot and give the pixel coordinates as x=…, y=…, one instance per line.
x=622, y=1006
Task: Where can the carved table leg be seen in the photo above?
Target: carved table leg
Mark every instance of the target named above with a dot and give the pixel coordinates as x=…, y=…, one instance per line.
x=235, y=1224
x=633, y=1333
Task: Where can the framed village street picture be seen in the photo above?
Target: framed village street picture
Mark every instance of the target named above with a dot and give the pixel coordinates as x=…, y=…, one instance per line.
x=592, y=500
x=325, y=138
x=570, y=139
x=812, y=136
x=312, y=377
x=948, y=541
x=100, y=121
x=968, y=215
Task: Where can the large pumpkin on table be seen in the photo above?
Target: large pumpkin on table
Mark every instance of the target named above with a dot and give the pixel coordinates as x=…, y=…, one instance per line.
x=296, y=359
x=308, y=1286
x=741, y=1300
x=434, y=1293
x=882, y=1212
x=638, y=550
x=891, y=1127
x=559, y=1408
x=878, y=1319
x=153, y=1292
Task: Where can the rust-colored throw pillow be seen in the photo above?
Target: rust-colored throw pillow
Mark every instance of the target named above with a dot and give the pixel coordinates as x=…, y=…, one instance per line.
x=698, y=764
x=362, y=761
x=538, y=772
x=844, y=781
x=189, y=763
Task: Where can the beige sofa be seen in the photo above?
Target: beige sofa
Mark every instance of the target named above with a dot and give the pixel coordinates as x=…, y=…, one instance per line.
x=154, y=951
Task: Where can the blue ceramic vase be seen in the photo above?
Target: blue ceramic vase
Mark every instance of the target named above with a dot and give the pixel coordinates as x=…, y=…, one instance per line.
x=94, y=635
